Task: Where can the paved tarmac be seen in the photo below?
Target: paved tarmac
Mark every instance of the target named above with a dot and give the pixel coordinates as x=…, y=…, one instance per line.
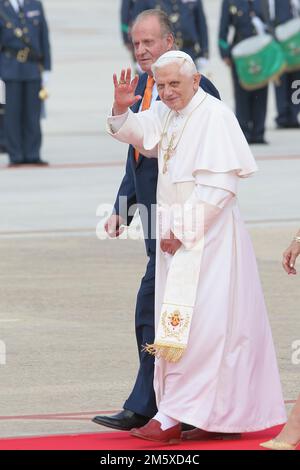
x=66, y=297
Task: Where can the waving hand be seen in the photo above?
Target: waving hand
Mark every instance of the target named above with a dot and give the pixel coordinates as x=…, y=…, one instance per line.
x=124, y=92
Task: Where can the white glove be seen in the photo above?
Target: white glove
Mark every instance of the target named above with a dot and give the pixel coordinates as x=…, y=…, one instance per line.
x=45, y=78
x=259, y=25
x=295, y=8
x=201, y=63
x=2, y=92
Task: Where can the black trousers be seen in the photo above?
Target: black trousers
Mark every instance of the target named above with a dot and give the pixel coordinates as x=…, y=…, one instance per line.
x=251, y=109
x=142, y=398
x=287, y=110
x=22, y=120
x=2, y=133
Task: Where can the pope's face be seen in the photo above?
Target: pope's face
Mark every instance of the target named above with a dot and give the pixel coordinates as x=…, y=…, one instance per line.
x=175, y=88
x=149, y=42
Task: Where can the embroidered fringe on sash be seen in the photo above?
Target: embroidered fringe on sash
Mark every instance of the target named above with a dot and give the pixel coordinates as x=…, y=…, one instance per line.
x=179, y=301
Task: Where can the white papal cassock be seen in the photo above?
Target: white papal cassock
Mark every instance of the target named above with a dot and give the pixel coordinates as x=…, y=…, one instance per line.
x=227, y=379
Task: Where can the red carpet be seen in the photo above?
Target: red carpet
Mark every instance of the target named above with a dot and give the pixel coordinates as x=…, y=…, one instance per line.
x=123, y=441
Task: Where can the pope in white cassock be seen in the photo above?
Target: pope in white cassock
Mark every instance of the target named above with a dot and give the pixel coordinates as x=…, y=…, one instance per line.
x=215, y=363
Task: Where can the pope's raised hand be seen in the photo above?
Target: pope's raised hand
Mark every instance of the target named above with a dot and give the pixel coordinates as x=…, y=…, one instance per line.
x=124, y=92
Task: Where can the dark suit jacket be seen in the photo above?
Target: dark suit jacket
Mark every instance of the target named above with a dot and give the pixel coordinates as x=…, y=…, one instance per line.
x=140, y=181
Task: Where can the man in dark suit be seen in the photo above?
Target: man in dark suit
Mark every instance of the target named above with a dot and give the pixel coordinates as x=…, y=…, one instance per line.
x=250, y=106
x=277, y=12
x=24, y=61
x=152, y=36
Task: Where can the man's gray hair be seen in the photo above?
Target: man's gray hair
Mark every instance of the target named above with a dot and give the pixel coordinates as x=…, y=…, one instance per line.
x=163, y=19
x=186, y=64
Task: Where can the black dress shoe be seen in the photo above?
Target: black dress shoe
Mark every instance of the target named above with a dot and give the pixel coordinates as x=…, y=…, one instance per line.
x=288, y=125
x=124, y=421
x=37, y=163
x=15, y=164
x=258, y=141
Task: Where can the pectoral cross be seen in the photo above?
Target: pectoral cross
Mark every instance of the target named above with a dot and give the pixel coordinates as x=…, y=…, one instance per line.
x=168, y=154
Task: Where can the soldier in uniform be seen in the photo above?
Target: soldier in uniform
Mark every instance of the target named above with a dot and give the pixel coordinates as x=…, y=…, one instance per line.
x=2, y=134
x=276, y=13
x=189, y=25
x=127, y=7
x=24, y=62
x=251, y=106
x=2, y=111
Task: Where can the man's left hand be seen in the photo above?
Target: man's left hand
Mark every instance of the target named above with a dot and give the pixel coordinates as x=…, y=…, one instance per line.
x=170, y=244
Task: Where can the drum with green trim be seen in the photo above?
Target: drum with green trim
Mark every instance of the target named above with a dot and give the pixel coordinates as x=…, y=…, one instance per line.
x=288, y=35
x=258, y=60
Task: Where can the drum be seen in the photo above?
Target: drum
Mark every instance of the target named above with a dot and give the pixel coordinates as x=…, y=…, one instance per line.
x=258, y=60
x=288, y=35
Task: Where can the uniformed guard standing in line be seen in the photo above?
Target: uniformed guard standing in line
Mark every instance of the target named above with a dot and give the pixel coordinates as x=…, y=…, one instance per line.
x=189, y=25
x=251, y=106
x=2, y=134
x=2, y=110
x=24, y=62
x=276, y=13
x=127, y=7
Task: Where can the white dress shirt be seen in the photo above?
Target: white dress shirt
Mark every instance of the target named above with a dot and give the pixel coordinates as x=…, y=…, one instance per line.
x=15, y=4
x=272, y=10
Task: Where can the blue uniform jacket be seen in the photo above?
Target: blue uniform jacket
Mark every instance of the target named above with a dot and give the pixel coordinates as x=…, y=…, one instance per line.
x=236, y=14
x=283, y=12
x=188, y=20
x=140, y=180
x=36, y=29
x=127, y=7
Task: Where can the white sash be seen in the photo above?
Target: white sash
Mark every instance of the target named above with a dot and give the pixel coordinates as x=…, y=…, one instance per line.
x=173, y=330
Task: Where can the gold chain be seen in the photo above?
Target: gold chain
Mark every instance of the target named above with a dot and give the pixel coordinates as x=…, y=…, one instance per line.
x=170, y=150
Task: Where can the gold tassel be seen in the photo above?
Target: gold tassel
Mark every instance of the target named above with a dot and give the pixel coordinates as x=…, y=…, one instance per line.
x=43, y=94
x=168, y=352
